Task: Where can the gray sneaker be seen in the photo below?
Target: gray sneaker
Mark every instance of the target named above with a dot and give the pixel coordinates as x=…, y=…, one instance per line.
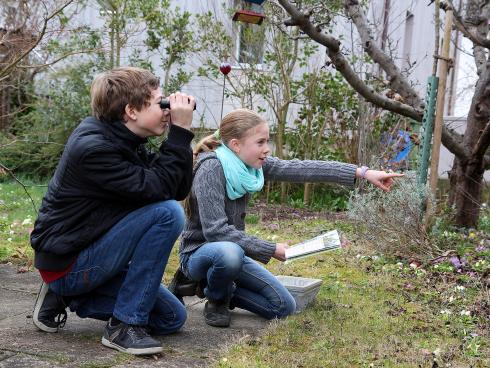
x=217, y=314
x=130, y=339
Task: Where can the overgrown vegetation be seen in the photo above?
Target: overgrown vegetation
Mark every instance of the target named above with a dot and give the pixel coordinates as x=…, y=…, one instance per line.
x=373, y=310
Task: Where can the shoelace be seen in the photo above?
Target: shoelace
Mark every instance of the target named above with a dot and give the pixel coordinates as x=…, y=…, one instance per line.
x=137, y=332
x=61, y=319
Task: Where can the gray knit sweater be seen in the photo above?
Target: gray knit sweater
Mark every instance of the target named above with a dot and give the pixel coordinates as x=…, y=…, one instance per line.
x=214, y=217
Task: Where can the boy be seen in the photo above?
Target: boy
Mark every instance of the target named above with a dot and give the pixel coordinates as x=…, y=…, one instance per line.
x=109, y=219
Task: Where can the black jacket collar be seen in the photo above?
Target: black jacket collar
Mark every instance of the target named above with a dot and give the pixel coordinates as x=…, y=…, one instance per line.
x=121, y=131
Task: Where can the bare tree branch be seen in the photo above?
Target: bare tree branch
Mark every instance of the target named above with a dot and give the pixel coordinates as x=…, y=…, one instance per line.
x=453, y=141
x=64, y=56
x=472, y=34
x=396, y=80
x=4, y=73
x=302, y=20
x=5, y=168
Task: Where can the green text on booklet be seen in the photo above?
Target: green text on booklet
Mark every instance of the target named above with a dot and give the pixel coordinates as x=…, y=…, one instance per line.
x=318, y=244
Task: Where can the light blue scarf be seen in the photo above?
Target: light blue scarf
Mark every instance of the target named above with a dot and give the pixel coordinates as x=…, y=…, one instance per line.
x=240, y=178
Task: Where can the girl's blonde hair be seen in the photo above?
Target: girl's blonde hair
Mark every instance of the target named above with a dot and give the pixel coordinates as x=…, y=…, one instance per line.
x=233, y=126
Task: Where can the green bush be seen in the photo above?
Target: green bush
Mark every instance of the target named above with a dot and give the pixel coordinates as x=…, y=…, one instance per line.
x=37, y=138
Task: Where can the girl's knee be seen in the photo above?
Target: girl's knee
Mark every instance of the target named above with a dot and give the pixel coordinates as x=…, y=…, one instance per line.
x=286, y=307
x=231, y=258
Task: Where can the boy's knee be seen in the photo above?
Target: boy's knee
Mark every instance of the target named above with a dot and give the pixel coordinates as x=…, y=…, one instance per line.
x=180, y=318
x=171, y=210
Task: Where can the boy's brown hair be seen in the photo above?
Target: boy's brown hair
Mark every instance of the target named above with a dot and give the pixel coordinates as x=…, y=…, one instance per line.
x=111, y=91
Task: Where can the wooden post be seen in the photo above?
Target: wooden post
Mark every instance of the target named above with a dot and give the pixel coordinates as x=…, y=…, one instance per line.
x=441, y=92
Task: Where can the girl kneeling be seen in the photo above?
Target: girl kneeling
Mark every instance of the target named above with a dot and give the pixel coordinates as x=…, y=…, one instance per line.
x=229, y=166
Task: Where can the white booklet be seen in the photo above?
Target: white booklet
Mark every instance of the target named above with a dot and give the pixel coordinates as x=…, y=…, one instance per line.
x=321, y=243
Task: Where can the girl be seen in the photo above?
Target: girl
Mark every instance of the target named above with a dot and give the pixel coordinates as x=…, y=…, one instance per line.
x=231, y=165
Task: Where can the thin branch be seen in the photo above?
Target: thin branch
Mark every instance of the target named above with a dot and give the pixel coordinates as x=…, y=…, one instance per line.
x=342, y=65
x=64, y=56
x=18, y=181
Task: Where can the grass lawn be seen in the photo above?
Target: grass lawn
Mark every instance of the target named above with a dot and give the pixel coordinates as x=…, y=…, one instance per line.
x=370, y=311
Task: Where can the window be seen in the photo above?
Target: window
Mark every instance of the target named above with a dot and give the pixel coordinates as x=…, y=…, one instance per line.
x=250, y=38
x=250, y=45
x=407, y=43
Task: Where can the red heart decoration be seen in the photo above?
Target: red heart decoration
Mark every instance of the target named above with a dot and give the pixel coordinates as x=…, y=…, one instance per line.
x=225, y=68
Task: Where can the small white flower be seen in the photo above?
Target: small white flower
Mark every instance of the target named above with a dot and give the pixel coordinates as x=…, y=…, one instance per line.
x=399, y=264
x=375, y=258
x=465, y=313
x=446, y=311
x=451, y=299
x=9, y=239
x=11, y=232
x=413, y=265
x=27, y=221
x=459, y=288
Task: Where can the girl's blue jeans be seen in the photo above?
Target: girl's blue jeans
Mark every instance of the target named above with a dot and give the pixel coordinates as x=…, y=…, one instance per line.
x=120, y=274
x=231, y=275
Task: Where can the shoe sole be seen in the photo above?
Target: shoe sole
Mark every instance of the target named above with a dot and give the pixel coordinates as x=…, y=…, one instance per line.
x=37, y=307
x=144, y=351
x=217, y=323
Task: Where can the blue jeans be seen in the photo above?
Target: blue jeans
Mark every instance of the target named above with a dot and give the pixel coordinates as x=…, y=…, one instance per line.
x=231, y=275
x=120, y=274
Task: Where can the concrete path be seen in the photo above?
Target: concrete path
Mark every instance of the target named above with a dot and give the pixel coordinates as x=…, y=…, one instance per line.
x=78, y=343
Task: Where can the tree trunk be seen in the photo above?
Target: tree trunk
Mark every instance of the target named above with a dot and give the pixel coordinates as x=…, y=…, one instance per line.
x=465, y=193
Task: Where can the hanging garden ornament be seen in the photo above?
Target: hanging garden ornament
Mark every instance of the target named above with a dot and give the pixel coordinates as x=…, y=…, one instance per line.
x=249, y=16
x=225, y=67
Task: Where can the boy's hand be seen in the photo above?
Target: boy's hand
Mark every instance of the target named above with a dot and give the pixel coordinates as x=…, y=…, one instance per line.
x=280, y=253
x=381, y=179
x=181, y=109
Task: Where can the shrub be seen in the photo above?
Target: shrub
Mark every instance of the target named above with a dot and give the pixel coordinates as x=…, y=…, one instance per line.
x=392, y=222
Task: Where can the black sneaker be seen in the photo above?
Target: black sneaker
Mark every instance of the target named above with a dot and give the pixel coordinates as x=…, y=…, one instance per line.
x=130, y=339
x=216, y=313
x=182, y=286
x=49, y=310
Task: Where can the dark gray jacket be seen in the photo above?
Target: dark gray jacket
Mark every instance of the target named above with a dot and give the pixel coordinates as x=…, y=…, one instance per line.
x=214, y=217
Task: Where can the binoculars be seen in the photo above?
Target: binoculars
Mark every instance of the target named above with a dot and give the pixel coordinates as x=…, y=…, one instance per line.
x=165, y=104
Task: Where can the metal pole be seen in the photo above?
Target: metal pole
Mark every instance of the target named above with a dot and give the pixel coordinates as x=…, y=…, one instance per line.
x=223, y=97
x=426, y=131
